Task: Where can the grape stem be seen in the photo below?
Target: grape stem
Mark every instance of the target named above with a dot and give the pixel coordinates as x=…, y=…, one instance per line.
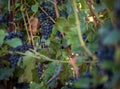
x=31, y=35
x=80, y=34
x=43, y=57
x=25, y=24
x=56, y=9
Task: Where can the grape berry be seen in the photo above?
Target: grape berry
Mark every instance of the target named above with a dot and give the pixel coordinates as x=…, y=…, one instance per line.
x=24, y=47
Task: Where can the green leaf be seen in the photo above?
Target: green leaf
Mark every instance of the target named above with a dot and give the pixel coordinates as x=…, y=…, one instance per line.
x=34, y=85
x=14, y=42
x=69, y=7
x=2, y=36
x=117, y=54
x=28, y=65
x=51, y=70
x=83, y=4
x=109, y=4
x=73, y=39
x=71, y=20
x=34, y=7
x=100, y=7
x=83, y=83
x=109, y=65
x=112, y=38
x=5, y=73
x=61, y=24
x=35, y=76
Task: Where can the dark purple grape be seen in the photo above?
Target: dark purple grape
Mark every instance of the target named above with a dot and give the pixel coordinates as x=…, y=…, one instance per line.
x=59, y=34
x=98, y=1
x=87, y=74
x=24, y=47
x=63, y=13
x=40, y=68
x=14, y=59
x=84, y=36
x=46, y=29
x=46, y=4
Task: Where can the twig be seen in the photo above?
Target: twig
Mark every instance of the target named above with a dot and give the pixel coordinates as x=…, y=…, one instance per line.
x=11, y=15
x=56, y=9
x=70, y=54
x=25, y=24
x=31, y=35
x=80, y=34
x=95, y=16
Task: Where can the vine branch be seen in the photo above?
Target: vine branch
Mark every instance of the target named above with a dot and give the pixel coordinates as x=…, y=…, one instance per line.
x=80, y=34
x=31, y=35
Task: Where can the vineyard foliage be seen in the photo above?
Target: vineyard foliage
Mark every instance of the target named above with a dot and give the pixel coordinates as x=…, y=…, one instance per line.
x=59, y=44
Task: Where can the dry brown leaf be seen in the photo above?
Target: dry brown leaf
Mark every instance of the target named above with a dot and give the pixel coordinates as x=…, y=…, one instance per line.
x=34, y=25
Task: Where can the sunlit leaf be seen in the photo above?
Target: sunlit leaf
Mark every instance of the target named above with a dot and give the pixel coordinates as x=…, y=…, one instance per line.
x=14, y=42
x=34, y=7
x=29, y=64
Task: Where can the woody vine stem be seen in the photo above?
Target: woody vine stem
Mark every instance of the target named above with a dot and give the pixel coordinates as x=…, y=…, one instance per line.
x=79, y=32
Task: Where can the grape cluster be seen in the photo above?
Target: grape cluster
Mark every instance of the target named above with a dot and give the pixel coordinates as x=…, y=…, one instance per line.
x=24, y=47
x=4, y=19
x=84, y=36
x=59, y=34
x=40, y=68
x=47, y=23
x=46, y=29
x=14, y=35
x=105, y=52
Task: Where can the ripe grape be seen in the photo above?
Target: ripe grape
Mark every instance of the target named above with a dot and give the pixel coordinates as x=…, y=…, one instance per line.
x=47, y=24
x=105, y=52
x=84, y=36
x=40, y=68
x=46, y=29
x=98, y=1
x=24, y=47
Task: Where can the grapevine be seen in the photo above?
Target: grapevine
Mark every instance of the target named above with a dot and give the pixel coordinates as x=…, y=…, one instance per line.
x=59, y=44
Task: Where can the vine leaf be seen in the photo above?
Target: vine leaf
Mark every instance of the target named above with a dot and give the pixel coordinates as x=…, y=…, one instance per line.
x=34, y=7
x=34, y=85
x=29, y=65
x=61, y=24
x=14, y=42
x=2, y=36
x=5, y=73
x=112, y=38
x=51, y=70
